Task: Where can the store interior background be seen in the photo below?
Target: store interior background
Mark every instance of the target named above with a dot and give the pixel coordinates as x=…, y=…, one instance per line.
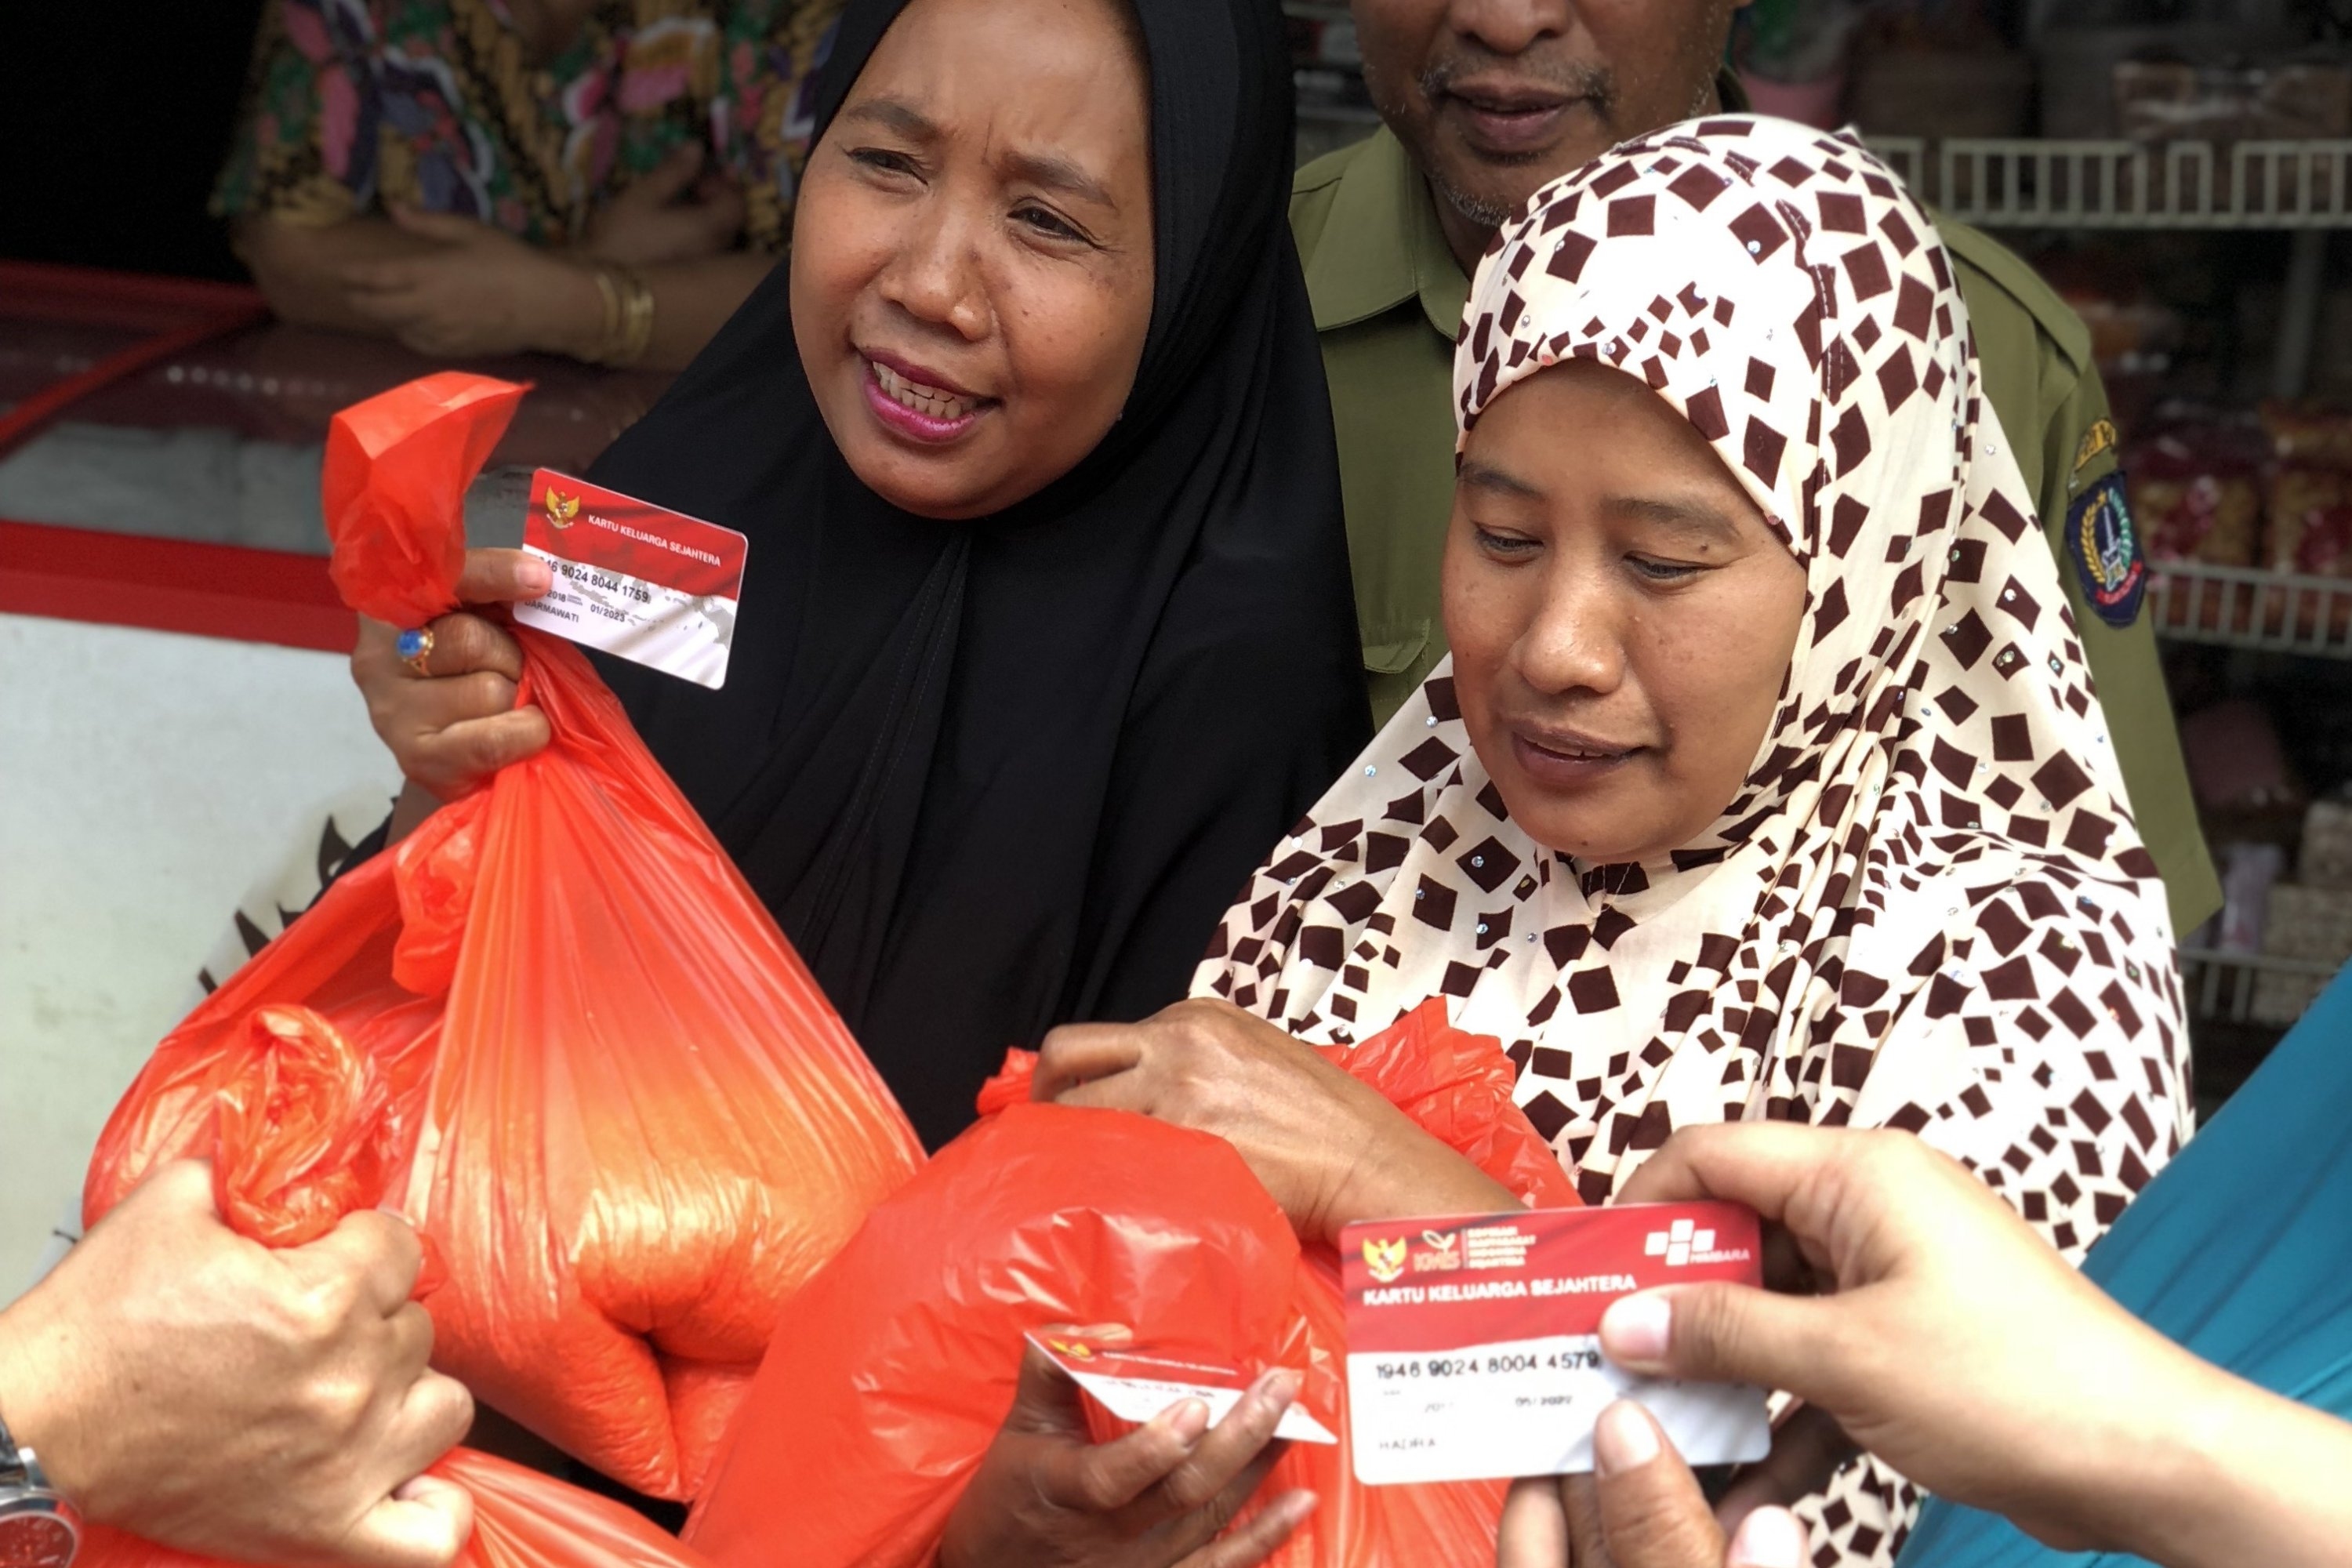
x=2182, y=172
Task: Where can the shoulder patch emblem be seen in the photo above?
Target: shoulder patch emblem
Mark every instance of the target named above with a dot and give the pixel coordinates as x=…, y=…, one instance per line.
x=2105, y=548
x=2098, y=438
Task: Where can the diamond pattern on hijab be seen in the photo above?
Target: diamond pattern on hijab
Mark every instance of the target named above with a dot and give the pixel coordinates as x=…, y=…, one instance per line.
x=1927, y=907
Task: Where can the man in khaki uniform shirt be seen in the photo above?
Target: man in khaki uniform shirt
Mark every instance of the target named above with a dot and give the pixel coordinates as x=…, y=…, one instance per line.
x=1474, y=82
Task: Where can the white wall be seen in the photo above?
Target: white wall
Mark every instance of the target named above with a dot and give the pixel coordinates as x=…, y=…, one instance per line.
x=146, y=779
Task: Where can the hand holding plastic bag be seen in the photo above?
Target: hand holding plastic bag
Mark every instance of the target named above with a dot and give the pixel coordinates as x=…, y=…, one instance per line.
x=631, y=1124
x=394, y=491
x=891, y=1373
x=306, y=1123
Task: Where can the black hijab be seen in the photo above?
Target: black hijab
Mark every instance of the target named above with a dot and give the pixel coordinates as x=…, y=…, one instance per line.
x=995, y=775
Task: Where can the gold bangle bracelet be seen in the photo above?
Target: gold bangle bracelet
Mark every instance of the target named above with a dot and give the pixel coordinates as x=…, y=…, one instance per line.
x=628, y=316
x=611, y=296
x=637, y=318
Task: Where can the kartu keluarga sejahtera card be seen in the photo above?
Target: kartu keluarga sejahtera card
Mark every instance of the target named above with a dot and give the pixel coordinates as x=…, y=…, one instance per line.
x=635, y=579
x=1474, y=1347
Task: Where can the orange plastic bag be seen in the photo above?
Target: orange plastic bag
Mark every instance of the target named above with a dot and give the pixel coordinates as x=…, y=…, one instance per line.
x=631, y=1125
x=305, y=1130
x=890, y=1373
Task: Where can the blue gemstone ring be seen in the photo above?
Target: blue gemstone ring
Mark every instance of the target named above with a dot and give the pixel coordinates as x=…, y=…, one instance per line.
x=415, y=646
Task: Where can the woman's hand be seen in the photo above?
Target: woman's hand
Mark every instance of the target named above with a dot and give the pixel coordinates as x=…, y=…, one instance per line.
x=454, y=726
x=1641, y=1508
x=1046, y=1497
x=673, y=212
x=1328, y=1148
x=482, y=292
x=1954, y=1343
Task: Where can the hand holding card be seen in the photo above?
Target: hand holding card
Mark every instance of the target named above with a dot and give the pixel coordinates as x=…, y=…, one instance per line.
x=1137, y=1383
x=1474, y=1345
x=654, y=586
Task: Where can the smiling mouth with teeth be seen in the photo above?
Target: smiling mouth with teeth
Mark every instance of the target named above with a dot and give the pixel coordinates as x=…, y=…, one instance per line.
x=926, y=401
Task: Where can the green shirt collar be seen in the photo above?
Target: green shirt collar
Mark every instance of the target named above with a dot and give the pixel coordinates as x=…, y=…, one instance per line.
x=1381, y=245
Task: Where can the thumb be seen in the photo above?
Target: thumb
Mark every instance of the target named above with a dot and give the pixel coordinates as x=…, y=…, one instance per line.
x=446, y=228
x=495, y=576
x=1534, y=1531
x=1652, y=1513
x=424, y=1524
x=1771, y=1538
x=1722, y=1332
x=1045, y=1403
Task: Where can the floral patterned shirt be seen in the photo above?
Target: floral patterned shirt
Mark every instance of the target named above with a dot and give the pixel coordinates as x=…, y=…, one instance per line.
x=351, y=104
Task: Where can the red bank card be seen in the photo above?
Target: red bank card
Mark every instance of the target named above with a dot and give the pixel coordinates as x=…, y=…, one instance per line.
x=1474, y=1347
x=651, y=585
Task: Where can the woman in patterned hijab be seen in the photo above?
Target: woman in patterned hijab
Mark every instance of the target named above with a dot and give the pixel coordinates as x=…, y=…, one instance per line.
x=1766, y=780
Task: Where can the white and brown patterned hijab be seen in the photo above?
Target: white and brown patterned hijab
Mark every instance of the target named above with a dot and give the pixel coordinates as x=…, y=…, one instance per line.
x=1928, y=908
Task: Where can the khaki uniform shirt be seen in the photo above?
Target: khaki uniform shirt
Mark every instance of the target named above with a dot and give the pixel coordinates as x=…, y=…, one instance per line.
x=1388, y=297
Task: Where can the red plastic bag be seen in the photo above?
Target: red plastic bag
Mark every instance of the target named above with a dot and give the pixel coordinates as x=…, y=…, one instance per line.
x=521, y=1520
x=304, y=1125
x=629, y=1122
x=890, y=1373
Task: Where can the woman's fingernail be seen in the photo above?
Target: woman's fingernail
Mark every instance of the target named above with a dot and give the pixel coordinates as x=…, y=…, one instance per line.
x=1188, y=1421
x=1634, y=1331
x=1277, y=1383
x=1623, y=1439
x=395, y=1211
x=535, y=576
x=1768, y=1537
x=1295, y=1508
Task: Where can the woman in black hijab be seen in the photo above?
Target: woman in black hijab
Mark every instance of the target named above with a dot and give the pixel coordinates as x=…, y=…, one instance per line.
x=998, y=742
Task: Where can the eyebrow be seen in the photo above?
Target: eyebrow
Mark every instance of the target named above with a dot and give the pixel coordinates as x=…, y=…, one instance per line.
x=1054, y=171
x=896, y=114
x=1686, y=518
x=1058, y=172
x=1487, y=477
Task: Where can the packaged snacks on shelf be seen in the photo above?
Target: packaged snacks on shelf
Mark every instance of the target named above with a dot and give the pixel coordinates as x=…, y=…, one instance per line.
x=2307, y=435
x=2304, y=923
x=2196, y=493
x=2164, y=100
x=2310, y=535
x=2325, y=860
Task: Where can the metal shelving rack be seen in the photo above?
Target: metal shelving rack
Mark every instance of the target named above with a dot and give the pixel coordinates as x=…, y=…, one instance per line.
x=2257, y=988
x=2244, y=606
x=2028, y=183
x=2303, y=188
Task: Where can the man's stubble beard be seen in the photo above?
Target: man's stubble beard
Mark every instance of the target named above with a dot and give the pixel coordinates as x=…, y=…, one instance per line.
x=1595, y=83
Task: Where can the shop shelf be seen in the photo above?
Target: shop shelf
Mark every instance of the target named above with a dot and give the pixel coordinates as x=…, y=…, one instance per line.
x=2029, y=182
x=2239, y=606
x=2250, y=987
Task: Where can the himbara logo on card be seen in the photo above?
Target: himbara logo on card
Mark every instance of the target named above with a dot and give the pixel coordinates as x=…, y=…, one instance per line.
x=1683, y=1243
